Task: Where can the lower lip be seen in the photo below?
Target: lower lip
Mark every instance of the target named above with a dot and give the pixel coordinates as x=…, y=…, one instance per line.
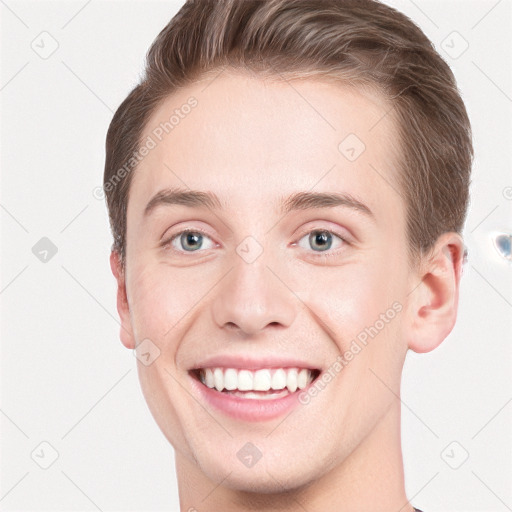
x=247, y=409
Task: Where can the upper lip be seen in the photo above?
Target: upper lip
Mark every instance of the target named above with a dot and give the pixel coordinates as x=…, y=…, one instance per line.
x=250, y=363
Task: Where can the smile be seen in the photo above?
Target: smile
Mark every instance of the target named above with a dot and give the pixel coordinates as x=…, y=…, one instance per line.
x=232, y=380
x=250, y=394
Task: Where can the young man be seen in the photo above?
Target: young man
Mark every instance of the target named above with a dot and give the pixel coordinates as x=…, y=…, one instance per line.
x=287, y=187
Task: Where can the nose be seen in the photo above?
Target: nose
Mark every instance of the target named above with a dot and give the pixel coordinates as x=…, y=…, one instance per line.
x=252, y=297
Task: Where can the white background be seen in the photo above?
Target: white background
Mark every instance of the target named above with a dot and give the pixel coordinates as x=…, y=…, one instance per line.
x=66, y=378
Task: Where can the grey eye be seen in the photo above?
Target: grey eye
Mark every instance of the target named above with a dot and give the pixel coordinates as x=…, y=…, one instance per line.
x=190, y=241
x=320, y=240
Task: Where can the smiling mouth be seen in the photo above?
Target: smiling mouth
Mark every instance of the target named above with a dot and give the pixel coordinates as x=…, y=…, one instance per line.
x=265, y=383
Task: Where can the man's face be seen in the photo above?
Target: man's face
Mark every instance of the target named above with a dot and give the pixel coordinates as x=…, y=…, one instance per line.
x=265, y=287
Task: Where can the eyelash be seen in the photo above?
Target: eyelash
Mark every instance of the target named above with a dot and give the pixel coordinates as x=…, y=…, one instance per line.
x=321, y=255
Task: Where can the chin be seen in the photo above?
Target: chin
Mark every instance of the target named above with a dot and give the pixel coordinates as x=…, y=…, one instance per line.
x=265, y=477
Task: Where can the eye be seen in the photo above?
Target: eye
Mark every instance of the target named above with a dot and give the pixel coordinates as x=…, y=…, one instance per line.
x=188, y=240
x=321, y=241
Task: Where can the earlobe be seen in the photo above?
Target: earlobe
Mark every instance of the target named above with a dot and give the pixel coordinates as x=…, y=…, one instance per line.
x=434, y=302
x=126, y=332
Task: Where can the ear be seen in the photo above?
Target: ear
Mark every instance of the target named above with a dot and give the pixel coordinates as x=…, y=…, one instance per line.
x=126, y=332
x=434, y=301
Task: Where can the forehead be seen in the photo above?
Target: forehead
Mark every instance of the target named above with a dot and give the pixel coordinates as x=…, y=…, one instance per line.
x=252, y=141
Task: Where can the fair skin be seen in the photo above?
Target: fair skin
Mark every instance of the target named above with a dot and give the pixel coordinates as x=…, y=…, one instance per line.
x=253, y=142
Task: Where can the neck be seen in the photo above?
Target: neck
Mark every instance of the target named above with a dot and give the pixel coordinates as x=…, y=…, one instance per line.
x=371, y=479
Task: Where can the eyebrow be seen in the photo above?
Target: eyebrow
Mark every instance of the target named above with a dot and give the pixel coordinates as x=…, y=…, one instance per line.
x=296, y=201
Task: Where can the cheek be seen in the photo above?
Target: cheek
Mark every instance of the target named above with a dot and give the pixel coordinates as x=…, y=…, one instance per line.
x=163, y=299
x=350, y=299
x=362, y=309
x=162, y=305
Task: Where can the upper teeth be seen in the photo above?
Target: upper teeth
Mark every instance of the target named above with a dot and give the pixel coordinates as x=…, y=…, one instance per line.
x=259, y=380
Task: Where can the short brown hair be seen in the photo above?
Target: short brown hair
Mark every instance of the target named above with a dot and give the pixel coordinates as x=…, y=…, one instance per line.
x=363, y=43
